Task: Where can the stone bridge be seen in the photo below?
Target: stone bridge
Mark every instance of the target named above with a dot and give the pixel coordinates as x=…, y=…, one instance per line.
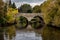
x=29, y=16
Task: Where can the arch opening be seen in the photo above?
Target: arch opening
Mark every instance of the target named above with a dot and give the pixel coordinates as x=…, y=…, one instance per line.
x=23, y=22
x=37, y=22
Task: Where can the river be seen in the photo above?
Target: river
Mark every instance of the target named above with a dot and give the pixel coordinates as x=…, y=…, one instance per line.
x=28, y=35
x=11, y=33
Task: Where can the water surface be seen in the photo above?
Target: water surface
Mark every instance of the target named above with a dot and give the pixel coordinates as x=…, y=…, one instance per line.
x=11, y=33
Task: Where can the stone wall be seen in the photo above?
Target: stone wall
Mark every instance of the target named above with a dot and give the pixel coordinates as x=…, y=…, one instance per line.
x=29, y=16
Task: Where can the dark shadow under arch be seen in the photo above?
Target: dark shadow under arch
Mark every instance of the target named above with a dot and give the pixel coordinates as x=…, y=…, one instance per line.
x=39, y=17
x=37, y=24
x=23, y=19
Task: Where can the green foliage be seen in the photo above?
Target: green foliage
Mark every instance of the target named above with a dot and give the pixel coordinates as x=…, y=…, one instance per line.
x=51, y=13
x=1, y=8
x=25, y=8
x=7, y=14
x=13, y=5
x=36, y=9
x=2, y=11
x=11, y=13
x=9, y=3
x=1, y=3
x=2, y=21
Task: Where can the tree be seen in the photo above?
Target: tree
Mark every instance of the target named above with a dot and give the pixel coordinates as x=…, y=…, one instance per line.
x=51, y=13
x=11, y=13
x=36, y=9
x=1, y=3
x=25, y=8
x=1, y=8
x=9, y=2
x=2, y=12
x=13, y=5
x=6, y=14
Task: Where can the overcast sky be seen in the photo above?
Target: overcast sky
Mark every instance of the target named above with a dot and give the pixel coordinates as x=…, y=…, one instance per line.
x=31, y=2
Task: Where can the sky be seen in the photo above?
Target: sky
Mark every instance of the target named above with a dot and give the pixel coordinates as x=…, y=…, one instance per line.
x=31, y=2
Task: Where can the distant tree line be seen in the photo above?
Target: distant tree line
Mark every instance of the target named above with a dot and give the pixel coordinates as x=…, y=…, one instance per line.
x=12, y=4
x=26, y=8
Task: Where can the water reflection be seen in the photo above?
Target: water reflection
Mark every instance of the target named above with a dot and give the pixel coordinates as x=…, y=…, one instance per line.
x=9, y=33
x=27, y=35
x=46, y=33
x=50, y=33
x=1, y=34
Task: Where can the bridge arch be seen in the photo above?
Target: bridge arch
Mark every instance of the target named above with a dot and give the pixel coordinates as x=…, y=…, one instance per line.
x=23, y=22
x=37, y=22
x=41, y=19
x=31, y=16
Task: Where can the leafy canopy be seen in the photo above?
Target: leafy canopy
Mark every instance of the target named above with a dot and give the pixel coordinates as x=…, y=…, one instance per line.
x=25, y=8
x=51, y=12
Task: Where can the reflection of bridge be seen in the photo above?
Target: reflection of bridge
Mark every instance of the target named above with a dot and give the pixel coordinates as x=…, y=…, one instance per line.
x=29, y=16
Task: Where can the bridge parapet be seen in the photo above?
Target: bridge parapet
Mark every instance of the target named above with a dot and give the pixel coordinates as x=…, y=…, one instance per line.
x=29, y=16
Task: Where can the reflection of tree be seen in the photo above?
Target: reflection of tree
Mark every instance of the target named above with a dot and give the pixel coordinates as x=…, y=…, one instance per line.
x=49, y=33
x=10, y=32
x=1, y=34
